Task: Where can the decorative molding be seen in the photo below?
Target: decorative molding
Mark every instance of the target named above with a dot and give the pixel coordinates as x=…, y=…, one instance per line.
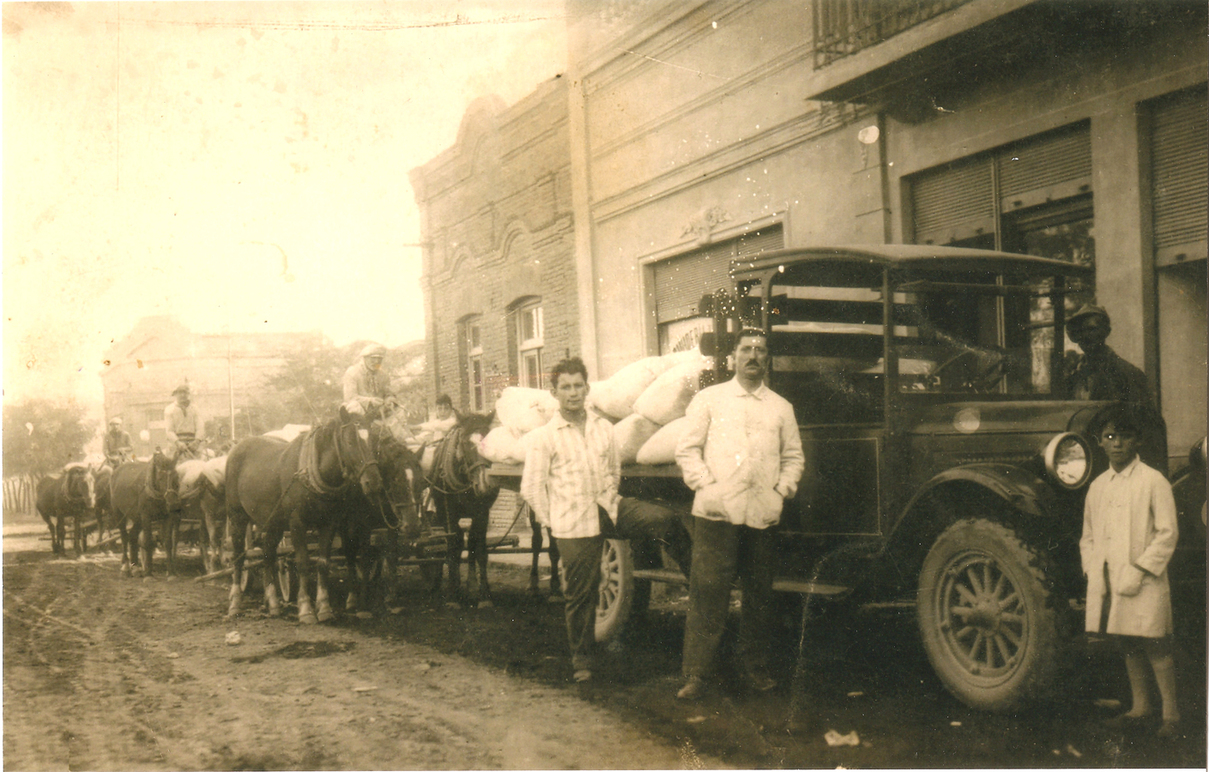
x=701, y=225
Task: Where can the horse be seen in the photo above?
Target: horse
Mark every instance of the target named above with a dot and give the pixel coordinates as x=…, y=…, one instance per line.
x=142, y=493
x=203, y=491
x=316, y=482
x=461, y=487
x=70, y=494
x=535, y=546
x=403, y=481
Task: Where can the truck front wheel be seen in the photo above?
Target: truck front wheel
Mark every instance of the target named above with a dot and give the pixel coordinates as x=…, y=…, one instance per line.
x=986, y=616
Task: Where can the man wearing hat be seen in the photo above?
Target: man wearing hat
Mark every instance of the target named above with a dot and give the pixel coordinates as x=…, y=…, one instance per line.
x=1099, y=373
x=184, y=424
x=117, y=445
x=366, y=386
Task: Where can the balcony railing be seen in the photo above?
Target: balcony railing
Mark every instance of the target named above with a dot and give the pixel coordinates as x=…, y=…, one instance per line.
x=844, y=27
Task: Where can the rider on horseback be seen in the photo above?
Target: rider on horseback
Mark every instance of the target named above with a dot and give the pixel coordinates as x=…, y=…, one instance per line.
x=366, y=386
x=117, y=445
x=184, y=425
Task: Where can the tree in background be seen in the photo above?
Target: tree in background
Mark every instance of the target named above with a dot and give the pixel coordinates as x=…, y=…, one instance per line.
x=308, y=389
x=41, y=436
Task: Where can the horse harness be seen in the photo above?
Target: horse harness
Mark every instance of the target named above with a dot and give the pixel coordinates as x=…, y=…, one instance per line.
x=308, y=468
x=448, y=452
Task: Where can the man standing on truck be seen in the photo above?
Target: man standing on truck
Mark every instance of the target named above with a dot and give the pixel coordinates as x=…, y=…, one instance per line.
x=742, y=454
x=571, y=478
x=1099, y=373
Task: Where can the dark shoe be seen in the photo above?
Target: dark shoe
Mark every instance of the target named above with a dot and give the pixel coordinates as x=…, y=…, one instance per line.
x=760, y=681
x=1169, y=729
x=583, y=676
x=693, y=689
x=1126, y=721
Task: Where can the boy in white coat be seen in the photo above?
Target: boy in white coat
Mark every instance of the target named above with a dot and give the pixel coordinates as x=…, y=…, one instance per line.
x=1129, y=535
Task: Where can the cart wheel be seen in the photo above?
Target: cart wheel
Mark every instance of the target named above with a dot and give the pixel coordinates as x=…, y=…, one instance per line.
x=616, y=589
x=287, y=579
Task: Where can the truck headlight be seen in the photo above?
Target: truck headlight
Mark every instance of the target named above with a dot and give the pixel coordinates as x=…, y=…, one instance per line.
x=1068, y=460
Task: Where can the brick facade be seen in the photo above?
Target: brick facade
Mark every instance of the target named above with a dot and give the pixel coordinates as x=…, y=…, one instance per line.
x=496, y=218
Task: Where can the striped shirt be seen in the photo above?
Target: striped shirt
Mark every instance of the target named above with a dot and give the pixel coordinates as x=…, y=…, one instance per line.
x=569, y=473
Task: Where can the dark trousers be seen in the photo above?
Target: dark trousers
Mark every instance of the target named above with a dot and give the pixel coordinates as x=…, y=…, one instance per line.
x=581, y=567
x=646, y=521
x=720, y=552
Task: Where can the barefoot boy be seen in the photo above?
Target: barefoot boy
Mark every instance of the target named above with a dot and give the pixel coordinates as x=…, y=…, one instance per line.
x=1129, y=534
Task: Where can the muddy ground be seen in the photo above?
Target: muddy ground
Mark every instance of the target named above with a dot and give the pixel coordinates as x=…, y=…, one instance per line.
x=107, y=673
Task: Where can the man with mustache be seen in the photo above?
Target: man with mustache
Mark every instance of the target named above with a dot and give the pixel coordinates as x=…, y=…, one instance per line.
x=742, y=455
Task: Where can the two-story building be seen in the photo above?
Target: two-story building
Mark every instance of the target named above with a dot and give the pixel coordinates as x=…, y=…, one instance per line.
x=707, y=131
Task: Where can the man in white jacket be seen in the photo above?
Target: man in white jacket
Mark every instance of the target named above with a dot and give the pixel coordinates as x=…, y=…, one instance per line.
x=742, y=454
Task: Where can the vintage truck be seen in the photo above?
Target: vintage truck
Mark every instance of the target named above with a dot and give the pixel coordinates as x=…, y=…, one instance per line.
x=945, y=465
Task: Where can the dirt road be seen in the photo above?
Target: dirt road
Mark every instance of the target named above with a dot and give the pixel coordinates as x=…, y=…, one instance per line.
x=103, y=673
x=107, y=673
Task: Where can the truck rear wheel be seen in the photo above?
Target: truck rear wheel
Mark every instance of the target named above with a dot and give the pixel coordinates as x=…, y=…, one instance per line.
x=985, y=616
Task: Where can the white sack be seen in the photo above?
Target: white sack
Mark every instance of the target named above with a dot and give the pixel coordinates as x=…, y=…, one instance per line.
x=668, y=396
x=661, y=447
x=503, y=445
x=630, y=434
x=615, y=395
x=525, y=409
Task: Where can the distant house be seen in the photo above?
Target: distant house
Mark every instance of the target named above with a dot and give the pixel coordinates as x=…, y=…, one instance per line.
x=160, y=353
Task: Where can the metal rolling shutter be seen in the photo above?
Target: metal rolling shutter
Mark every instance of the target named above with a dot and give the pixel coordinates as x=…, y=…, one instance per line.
x=1180, y=158
x=959, y=200
x=681, y=281
x=1043, y=164
x=953, y=202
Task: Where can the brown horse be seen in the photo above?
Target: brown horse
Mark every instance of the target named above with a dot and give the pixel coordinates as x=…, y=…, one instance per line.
x=404, y=483
x=461, y=488
x=143, y=494
x=316, y=482
x=69, y=495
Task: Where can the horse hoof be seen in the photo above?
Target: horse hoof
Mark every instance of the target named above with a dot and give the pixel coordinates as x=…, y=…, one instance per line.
x=170, y=578
x=274, y=612
x=365, y=615
x=486, y=604
x=308, y=619
x=452, y=604
x=326, y=616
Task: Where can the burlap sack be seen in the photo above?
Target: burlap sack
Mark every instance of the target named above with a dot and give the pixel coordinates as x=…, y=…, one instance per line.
x=525, y=409
x=661, y=447
x=615, y=395
x=502, y=445
x=668, y=396
x=630, y=434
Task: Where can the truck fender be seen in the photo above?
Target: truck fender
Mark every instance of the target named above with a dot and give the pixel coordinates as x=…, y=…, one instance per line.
x=1020, y=489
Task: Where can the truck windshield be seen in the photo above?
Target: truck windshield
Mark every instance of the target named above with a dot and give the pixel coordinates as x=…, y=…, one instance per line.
x=973, y=332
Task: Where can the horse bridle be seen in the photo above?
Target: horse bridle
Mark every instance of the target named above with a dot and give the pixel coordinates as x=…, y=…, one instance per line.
x=67, y=491
x=150, y=488
x=445, y=465
x=310, y=471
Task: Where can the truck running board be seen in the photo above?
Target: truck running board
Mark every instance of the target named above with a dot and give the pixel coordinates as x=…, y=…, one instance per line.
x=671, y=576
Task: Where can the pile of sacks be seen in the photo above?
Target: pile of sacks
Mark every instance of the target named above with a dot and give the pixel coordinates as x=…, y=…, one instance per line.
x=645, y=401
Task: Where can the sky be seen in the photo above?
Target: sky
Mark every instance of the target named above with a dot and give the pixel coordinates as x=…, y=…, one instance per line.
x=241, y=166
